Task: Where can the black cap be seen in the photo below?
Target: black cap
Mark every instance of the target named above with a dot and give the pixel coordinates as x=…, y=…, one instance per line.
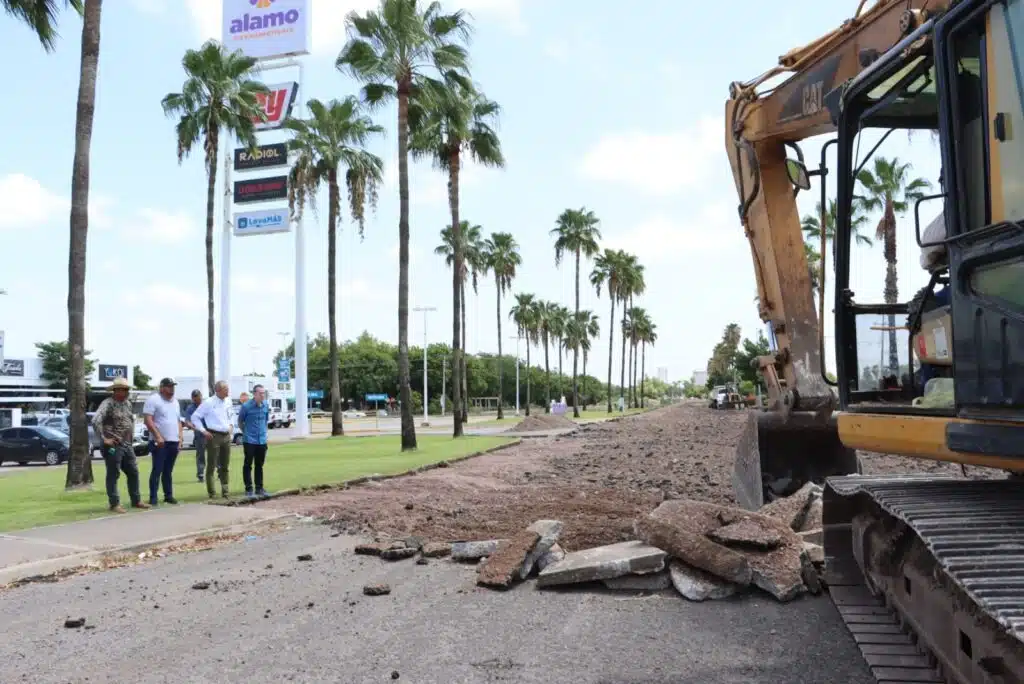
x=168, y=382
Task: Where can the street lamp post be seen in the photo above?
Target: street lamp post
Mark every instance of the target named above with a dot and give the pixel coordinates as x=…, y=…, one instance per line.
x=516, y=338
x=426, y=402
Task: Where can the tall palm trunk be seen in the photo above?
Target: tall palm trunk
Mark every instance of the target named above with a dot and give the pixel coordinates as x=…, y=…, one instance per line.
x=584, y=379
x=547, y=374
x=80, y=461
x=623, y=394
x=636, y=402
x=891, y=292
x=643, y=370
x=561, y=384
x=464, y=416
x=501, y=366
x=404, y=381
x=333, y=201
x=457, y=278
x=212, y=149
x=611, y=350
x=576, y=351
x=528, y=367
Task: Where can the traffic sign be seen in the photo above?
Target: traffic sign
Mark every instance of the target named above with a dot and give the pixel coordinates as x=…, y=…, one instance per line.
x=315, y=394
x=376, y=397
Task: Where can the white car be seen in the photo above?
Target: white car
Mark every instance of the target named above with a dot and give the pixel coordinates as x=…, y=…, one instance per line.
x=353, y=414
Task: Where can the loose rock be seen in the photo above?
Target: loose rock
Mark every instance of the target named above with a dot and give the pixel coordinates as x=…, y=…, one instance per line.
x=436, y=550
x=474, y=550
x=548, y=531
x=506, y=563
x=813, y=536
x=697, y=585
x=376, y=589
x=371, y=549
x=792, y=510
x=74, y=623
x=305, y=557
x=815, y=553
x=554, y=554
x=654, y=581
x=748, y=533
x=201, y=585
x=400, y=553
x=604, y=562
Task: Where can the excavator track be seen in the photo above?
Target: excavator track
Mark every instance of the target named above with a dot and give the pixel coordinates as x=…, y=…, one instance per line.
x=928, y=575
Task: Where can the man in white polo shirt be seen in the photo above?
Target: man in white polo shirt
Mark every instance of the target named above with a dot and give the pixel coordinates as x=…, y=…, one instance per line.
x=162, y=415
x=213, y=420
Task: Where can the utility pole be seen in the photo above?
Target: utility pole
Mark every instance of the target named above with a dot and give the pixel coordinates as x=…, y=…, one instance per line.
x=516, y=338
x=426, y=402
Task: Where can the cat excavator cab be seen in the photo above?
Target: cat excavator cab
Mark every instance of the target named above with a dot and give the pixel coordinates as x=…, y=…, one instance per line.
x=927, y=571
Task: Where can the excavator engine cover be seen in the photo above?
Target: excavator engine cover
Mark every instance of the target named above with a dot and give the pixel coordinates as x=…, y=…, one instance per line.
x=777, y=455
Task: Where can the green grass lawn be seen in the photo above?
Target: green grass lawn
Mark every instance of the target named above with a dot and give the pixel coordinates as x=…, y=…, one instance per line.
x=36, y=496
x=602, y=413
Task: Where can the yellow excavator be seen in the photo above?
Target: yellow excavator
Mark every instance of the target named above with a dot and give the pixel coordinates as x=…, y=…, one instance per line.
x=926, y=571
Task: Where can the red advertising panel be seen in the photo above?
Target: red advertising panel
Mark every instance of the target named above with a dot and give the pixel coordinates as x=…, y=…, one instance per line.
x=261, y=189
x=277, y=104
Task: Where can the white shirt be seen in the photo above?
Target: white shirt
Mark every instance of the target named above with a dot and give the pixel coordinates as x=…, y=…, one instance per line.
x=166, y=414
x=215, y=414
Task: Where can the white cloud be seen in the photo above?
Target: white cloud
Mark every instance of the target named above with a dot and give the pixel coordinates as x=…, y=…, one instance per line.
x=159, y=297
x=27, y=203
x=658, y=163
x=153, y=225
x=713, y=232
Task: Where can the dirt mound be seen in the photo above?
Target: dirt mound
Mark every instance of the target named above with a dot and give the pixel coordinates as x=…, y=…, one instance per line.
x=542, y=423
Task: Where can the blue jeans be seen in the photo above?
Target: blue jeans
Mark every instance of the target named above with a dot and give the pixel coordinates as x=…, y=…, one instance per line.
x=163, y=467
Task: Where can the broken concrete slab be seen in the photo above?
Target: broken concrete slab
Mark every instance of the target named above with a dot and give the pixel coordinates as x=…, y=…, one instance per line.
x=504, y=565
x=554, y=554
x=603, y=562
x=816, y=536
x=652, y=581
x=372, y=549
x=680, y=527
x=792, y=510
x=748, y=533
x=474, y=550
x=549, y=530
x=813, y=519
x=815, y=553
x=697, y=585
x=397, y=553
x=436, y=550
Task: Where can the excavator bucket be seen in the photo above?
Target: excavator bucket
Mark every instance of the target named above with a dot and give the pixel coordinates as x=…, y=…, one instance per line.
x=777, y=455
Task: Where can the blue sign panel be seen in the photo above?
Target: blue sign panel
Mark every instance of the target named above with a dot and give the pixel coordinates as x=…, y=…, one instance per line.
x=376, y=397
x=315, y=394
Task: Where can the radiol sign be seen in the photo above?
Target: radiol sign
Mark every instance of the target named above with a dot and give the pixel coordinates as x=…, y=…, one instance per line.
x=266, y=29
x=261, y=189
x=262, y=222
x=277, y=105
x=263, y=157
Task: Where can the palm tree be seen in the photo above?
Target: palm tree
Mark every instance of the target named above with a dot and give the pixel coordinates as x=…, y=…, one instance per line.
x=891, y=190
x=543, y=314
x=576, y=232
x=593, y=328
x=502, y=257
x=218, y=96
x=444, y=124
x=80, y=460
x=811, y=224
x=558, y=316
x=631, y=283
x=578, y=333
x=608, y=271
x=334, y=137
x=524, y=315
x=390, y=50
x=646, y=333
x=41, y=16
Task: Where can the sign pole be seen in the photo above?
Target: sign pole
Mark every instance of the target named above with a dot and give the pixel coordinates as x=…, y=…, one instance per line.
x=224, y=371
x=301, y=377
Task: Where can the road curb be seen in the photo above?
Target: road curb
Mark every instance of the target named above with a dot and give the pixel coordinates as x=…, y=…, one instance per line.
x=50, y=566
x=369, y=478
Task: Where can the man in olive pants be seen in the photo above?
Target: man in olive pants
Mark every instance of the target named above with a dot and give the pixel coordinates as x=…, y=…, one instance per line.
x=213, y=420
x=115, y=423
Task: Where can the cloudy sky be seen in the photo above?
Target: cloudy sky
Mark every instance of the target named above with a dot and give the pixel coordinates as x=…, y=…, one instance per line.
x=617, y=111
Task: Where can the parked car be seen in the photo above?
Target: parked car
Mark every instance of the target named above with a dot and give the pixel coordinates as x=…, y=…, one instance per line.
x=353, y=414
x=33, y=444
x=62, y=422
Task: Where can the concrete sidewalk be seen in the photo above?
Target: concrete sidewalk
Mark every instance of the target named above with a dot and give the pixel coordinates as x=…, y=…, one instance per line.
x=49, y=549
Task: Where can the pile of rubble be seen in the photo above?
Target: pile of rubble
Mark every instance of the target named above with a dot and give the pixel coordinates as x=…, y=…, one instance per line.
x=704, y=550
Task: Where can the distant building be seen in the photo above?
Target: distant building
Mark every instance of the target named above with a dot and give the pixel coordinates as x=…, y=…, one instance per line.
x=663, y=373
x=700, y=378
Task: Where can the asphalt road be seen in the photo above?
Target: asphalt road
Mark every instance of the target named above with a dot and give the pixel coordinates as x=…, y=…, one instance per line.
x=268, y=617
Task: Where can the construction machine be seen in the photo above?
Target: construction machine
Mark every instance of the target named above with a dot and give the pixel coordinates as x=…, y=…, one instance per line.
x=926, y=571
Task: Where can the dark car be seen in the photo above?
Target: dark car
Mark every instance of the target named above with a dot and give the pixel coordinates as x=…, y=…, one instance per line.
x=33, y=444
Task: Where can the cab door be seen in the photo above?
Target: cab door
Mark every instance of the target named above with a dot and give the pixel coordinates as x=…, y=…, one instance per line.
x=983, y=134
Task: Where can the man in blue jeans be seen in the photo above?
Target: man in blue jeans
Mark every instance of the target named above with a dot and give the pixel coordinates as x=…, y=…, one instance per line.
x=162, y=415
x=252, y=419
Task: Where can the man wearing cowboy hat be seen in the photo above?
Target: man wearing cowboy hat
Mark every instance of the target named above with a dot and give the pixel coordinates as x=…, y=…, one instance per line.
x=115, y=423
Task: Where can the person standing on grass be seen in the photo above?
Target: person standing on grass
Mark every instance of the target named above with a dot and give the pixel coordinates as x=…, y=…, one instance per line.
x=162, y=415
x=114, y=422
x=252, y=419
x=198, y=441
x=213, y=419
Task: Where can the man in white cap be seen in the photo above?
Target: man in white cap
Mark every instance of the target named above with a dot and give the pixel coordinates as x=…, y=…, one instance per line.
x=162, y=414
x=115, y=423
